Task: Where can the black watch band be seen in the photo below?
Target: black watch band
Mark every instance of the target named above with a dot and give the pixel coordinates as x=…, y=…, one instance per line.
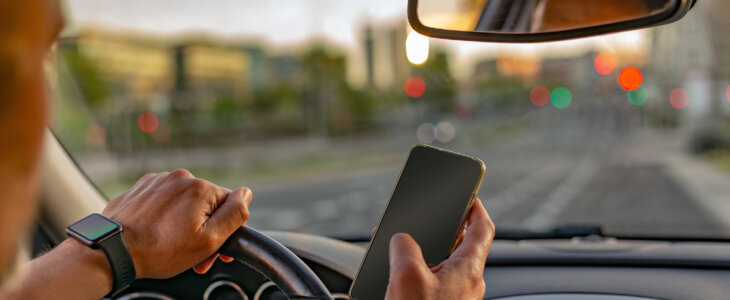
x=120, y=261
x=97, y=231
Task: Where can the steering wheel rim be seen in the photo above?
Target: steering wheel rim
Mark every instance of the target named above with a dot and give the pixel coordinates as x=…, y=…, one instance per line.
x=276, y=262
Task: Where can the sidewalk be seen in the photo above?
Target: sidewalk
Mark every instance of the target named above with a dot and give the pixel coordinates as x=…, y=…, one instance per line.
x=708, y=185
x=253, y=161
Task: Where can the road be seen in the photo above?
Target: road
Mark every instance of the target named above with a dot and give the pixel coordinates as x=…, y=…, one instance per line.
x=584, y=170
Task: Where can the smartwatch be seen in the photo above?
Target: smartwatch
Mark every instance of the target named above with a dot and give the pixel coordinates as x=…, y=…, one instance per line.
x=97, y=231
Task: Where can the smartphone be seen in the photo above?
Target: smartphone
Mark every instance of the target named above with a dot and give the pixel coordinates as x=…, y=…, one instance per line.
x=431, y=201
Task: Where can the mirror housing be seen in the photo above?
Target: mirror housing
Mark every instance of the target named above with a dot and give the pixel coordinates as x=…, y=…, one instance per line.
x=523, y=21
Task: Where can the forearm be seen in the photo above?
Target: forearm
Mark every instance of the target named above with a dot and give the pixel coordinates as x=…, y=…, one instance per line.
x=71, y=269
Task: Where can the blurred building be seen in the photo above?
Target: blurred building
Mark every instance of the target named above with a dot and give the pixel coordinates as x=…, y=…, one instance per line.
x=194, y=84
x=143, y=68
x=524, y=68
x=572, y=71
x=484, y=69
x=214, y=68
x=257, y=67
x=386, y=63
x=685, y=56
x=284, y=68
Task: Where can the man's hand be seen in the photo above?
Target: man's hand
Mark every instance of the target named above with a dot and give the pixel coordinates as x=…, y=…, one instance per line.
x=174, y=221
x=458, y=277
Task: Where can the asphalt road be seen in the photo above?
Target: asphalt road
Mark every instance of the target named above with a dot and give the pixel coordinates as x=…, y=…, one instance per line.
x=584, y=170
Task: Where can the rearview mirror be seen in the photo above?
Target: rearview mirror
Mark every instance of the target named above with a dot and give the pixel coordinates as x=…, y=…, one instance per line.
x=538, y=20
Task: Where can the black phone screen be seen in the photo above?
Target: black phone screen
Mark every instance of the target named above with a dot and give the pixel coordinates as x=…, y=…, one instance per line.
x=429, y=202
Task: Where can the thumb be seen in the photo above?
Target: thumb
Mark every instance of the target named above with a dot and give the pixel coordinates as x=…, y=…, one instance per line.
x=231, y=214
x=405, y=256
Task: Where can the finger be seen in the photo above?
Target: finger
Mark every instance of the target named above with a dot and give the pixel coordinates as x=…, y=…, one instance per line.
x=202, y=190
x=220, y=195
x=460, y=239
x=225, y=259
x=372, y=232
x=231, y=214
x=478, y=239
x=405, y=256
x=204, y=266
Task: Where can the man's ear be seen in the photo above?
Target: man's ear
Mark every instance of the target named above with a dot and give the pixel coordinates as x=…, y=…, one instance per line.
x=17, y=265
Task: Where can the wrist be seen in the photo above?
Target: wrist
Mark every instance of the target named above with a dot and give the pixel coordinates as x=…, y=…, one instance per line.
x=92, y=260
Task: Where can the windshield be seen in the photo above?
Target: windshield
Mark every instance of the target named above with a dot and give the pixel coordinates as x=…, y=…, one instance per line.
x=315, y=104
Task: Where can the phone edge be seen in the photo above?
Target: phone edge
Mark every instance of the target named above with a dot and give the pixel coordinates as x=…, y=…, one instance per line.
x=470, y=205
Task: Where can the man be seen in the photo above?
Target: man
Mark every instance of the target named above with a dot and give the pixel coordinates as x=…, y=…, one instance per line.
x=172, y=221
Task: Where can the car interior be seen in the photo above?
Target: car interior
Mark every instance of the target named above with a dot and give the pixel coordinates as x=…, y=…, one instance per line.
x=566, y=229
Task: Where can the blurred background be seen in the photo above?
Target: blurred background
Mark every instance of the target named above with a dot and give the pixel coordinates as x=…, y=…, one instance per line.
x=314, y=105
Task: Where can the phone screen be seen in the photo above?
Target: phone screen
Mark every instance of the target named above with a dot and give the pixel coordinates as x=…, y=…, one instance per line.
x=430, y=201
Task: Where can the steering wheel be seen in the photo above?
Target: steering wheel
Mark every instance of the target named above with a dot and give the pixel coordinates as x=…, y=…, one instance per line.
x=276, y=262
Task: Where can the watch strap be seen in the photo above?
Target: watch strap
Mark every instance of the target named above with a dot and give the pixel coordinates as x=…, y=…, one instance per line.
x=120, y=261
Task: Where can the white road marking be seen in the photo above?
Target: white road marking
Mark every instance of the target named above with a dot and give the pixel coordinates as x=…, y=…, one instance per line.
x=546, y=214
x=524, y=189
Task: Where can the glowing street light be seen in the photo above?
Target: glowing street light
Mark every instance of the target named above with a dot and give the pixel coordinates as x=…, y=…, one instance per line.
x=417, y=48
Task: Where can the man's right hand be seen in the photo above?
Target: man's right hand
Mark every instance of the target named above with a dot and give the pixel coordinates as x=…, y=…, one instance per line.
x=458, y=277
x=174, y=221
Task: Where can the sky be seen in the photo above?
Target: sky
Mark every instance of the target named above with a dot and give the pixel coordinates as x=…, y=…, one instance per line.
x=279, y=21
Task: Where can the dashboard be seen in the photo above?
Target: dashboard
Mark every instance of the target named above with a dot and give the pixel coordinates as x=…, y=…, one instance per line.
x=226, y=281
x=603, y=269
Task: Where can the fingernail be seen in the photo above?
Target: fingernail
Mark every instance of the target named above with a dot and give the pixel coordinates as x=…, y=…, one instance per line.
x=246, y=194
x=395, y=244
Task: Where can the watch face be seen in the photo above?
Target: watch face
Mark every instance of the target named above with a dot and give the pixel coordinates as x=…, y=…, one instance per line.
x=94, y=228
